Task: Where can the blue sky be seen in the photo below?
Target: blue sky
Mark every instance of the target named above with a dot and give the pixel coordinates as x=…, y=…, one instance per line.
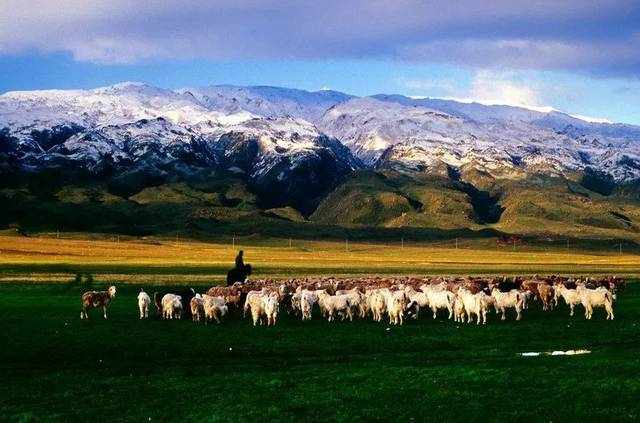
x=579, y=57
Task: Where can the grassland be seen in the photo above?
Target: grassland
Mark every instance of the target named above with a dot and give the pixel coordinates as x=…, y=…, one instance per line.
x=56, y=367
x=171, y=261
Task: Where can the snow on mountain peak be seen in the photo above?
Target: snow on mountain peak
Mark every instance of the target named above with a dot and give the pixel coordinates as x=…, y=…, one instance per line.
x=376, y=129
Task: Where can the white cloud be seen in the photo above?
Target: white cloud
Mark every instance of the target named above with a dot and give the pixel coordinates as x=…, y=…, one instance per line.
x=493, y=88
x=486, y=87
x=490, y=87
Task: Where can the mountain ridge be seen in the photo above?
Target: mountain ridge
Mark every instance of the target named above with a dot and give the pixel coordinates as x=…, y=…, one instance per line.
x=302, y=150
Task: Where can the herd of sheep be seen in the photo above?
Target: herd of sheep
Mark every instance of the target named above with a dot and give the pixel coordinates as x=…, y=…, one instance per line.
x=464, y=299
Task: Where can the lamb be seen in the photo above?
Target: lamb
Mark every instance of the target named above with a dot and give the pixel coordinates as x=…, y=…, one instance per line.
x=95, y=299
x=143, y=304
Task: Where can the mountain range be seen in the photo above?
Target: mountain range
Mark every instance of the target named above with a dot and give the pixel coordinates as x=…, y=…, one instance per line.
x=314, y=158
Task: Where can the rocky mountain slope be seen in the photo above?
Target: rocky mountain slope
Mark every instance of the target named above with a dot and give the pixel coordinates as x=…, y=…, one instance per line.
x=135, y=128
x=504, y=142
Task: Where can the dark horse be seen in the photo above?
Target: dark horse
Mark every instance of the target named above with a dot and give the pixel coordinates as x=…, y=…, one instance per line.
x=238, y=274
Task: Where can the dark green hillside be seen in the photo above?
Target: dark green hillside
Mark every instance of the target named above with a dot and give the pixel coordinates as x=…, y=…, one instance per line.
x=368, y=205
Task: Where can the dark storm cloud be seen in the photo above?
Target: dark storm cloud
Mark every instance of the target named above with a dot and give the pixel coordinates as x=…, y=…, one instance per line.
x=600, y=37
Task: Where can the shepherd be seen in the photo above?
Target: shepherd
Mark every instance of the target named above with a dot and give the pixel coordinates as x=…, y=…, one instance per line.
x=241, y=272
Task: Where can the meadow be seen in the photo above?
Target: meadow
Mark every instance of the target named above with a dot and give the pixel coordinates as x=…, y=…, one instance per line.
x=56, y=367
x=154, y=260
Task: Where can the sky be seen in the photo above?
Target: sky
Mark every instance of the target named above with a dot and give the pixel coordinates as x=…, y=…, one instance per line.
x=581, y=57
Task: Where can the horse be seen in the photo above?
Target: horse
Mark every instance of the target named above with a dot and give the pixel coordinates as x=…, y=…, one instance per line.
x=238, y=275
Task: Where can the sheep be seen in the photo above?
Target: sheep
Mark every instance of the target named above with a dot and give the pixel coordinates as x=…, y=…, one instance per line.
x=356, y=299
x=271, y=308
x=546, y=295
x=249, y=300
x=474, y=304
x=377, y=305
x=570, y=296
x=396, y=303
x=599, y=297
x=336, y=304
x=214, y=308
x=458, y=310
x=255, y=303
x=95, y=299
x=143, y=304
x=296, y=303
x=197, y=308
x=440, y=299
x=171, y=306
x=512, y=299
x=307, y=301
x=417, y=299
x=185, y=298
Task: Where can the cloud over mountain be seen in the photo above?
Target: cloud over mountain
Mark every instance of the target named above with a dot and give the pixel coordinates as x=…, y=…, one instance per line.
x=598, y=37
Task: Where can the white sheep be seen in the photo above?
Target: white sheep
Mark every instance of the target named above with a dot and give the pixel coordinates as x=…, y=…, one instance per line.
x=271, y=308
x=214, y=308
x=143, y=304
x=307, y=301
x=512, y=299
x=172, y=306
x=599, y=297
x=474, y=304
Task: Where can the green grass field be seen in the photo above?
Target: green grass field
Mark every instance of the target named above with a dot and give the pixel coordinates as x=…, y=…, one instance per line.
x=56, y=367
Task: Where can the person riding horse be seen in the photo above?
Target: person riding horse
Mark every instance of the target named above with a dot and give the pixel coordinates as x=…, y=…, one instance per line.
x=240, y=272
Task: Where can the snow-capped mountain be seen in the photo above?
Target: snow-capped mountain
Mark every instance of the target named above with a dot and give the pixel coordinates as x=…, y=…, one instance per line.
x=296, y=143
x=267, y=101
x=136, y=127
x=503, y=141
